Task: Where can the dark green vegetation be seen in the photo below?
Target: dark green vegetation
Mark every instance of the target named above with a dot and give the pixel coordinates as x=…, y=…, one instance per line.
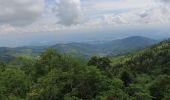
x=115, y=47
x=143, y=75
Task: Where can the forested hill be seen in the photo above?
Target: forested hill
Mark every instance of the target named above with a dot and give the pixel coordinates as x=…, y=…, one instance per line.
x=143, y=75
x=105, y=48
x=153, y=60
x=146, y=72
x=114, y=47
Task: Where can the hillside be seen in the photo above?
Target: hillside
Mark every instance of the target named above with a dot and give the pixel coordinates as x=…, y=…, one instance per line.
x=146, y=72
x=141, y=75
x=153, y=60
x=105, y=48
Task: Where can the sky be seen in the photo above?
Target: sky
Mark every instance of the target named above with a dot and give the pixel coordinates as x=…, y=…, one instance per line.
x=24, y=17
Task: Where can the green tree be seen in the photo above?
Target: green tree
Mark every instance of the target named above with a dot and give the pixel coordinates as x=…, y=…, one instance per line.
x=126, y=77
x=160, y=87
x=2, y=66
x=13, y=82
x=103, y=63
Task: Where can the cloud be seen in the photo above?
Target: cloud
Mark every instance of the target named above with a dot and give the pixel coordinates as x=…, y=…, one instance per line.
x=68, y=11
x=163, y=1
x=155, y=12
x=20, y=12
x=68, y=14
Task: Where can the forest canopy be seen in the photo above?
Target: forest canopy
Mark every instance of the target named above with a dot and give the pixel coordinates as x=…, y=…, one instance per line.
x=143, y=75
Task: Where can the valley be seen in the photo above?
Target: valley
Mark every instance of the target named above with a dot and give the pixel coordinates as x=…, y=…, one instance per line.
x=105, y=48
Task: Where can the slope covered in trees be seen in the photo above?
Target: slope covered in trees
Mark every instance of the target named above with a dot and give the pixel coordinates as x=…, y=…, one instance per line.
x=148, y=69
x=154, y=60
x=143, y=75
x=114, y=47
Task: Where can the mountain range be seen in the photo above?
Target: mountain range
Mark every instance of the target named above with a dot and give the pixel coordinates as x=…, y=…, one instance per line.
x=104, y=48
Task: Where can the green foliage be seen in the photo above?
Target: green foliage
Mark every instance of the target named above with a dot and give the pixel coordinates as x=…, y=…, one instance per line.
x=160, y=88
x=126, y=77
x=67, y=77
x=167, y=96
x=138, y=92
x=142, y=75
x=102, y=63
x=14, y=83
x=140, y=71
x=2, y=66
x=154, y=60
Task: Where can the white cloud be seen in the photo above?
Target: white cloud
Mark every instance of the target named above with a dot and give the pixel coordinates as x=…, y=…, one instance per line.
x=163, y=1
x=68, y=11
x=97, y=14
x=121, y=4
x=20, y=12
x=135, y=12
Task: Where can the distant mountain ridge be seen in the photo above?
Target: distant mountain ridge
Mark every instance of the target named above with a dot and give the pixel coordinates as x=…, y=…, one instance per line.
x=107, y=48
x=114, y=47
